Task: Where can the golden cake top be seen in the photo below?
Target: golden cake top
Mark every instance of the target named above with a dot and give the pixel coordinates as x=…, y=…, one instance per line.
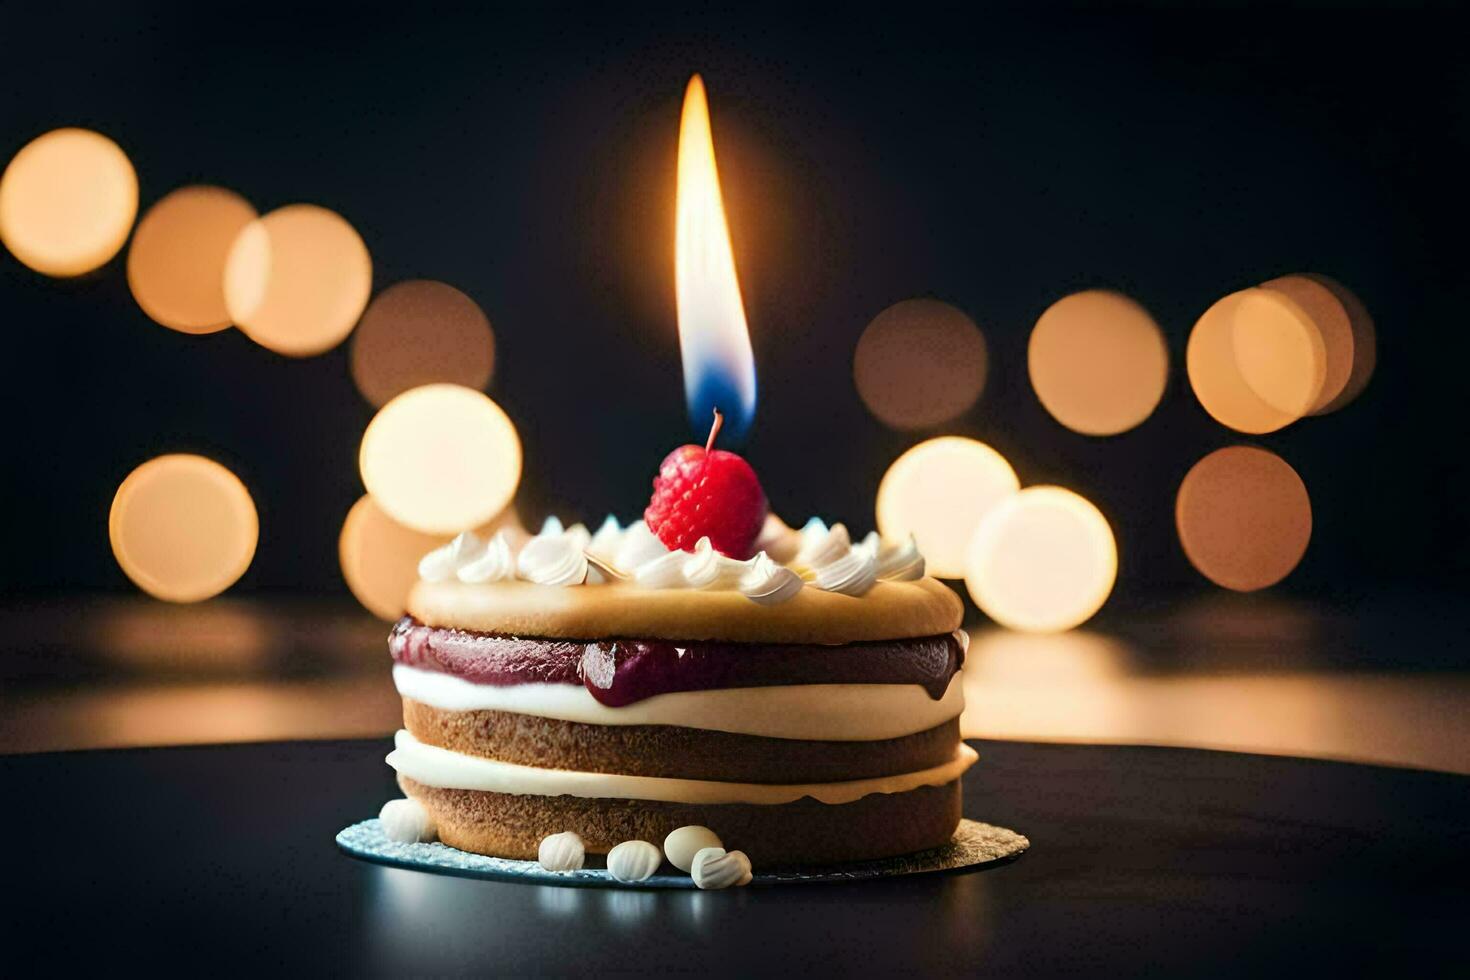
x=888, y=611
x=812, y=586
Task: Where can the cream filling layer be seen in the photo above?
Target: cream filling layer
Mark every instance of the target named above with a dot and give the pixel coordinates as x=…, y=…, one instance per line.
x=433, y=766
x=814, y=712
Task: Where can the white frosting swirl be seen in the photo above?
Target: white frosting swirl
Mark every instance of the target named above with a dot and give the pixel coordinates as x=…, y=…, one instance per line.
x=664, y=572
x=852, y=574
x=553, y=559
x=407, y=822
x=604, y=544
x=898, y=561
x=778, y=539
x=708, y=569
x=822, y=556
x=715, y=868
x=561, y=852
x=441, y=564
x=638, y=546
x=633, y=861
x=768, y=583
x=579, y=535
x=821, y=545
x=495, y=563
x=760, y=579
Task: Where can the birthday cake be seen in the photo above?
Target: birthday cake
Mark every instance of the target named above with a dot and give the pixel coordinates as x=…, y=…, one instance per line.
x=792, y=694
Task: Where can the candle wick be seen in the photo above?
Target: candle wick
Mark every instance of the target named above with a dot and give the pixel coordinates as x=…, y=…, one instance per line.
x=714, y=431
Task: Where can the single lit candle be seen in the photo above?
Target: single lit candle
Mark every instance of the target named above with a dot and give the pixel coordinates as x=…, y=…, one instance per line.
x=719, y=366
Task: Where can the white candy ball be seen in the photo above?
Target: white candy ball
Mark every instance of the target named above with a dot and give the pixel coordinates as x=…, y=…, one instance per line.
x=561, y=852
x=633, y=860
x=682, y=844
x=407, y=822
x=714, y=867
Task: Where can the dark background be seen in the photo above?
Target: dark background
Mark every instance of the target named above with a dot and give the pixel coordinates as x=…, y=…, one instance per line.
x=997, y=159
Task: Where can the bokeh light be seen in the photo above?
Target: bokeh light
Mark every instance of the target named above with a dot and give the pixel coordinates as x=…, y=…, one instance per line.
x=1329, y=316
x=1044, y=661
x=1256, y=361
x=1365, y=342
x=67, y=202
x=380, y=557
x=1098, y=362
x=1244, y=517
x=420, y=332
x=938, y=491
x=183, y=527
x=297, y=279
x=1042, y=560
x=441, y=459
x=1020, y=685
x=227, y=636
x=920, y=363
x=176, y=263
x=1279, y=351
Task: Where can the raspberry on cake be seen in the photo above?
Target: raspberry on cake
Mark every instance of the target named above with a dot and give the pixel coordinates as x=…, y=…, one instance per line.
x=704, y=492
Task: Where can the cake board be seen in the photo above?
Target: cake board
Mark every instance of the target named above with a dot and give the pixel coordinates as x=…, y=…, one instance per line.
x=975, y=845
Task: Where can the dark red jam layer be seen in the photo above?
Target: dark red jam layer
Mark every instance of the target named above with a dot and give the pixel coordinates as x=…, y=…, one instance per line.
x=619, y=672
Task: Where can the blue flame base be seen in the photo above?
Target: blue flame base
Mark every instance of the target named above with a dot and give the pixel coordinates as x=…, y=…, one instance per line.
x=712, y=391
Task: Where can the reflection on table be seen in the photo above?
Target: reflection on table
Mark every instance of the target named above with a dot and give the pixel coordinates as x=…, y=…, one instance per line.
x=1381, y=683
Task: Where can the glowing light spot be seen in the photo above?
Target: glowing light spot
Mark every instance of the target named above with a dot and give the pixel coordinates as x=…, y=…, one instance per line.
x=67, y=201
x=1244, y=518
x=938, y=491
x=380, y=557
x=420, y=332
x=1365, y=343
x=1098, y=362
x=719, y=366
x=1049, y=684
x=440, y=459
x=1045, y=661
x=1255, y=361
x=920, y=363
x=183, y=528
x=227, y=636
x=297, y=279
x=1279, y=351
x=1330, y=318
x=1042, y=560
x=176, y=263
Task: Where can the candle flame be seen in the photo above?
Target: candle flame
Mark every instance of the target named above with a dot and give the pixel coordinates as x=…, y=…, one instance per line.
x=719, y=367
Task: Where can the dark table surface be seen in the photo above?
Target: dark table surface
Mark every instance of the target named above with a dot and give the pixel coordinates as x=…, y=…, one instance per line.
x=1143, y=861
